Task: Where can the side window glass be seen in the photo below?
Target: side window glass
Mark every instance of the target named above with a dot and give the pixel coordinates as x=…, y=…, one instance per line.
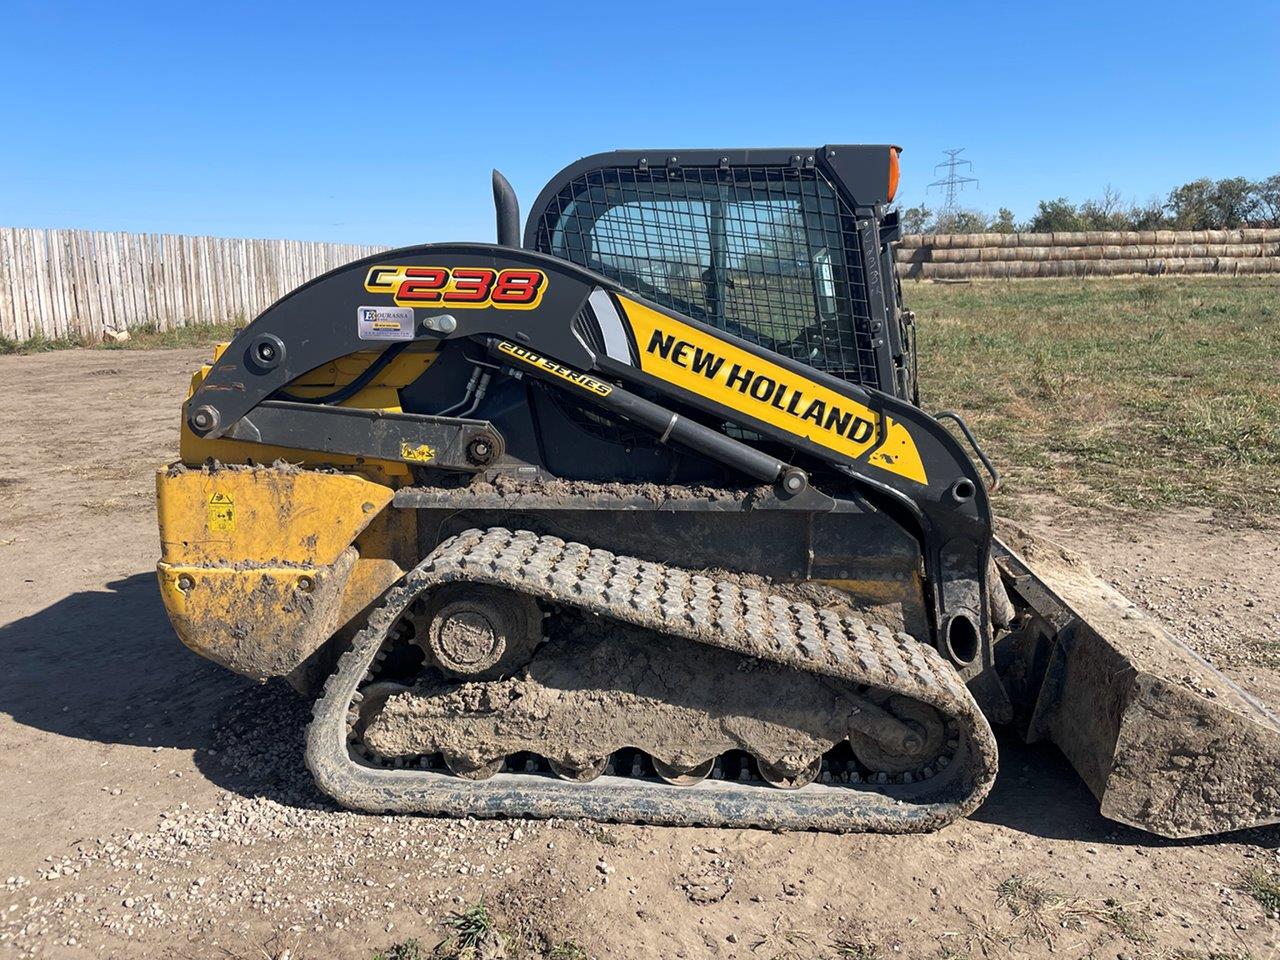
x=824, y=284
x=767, y=253
x=660, y=248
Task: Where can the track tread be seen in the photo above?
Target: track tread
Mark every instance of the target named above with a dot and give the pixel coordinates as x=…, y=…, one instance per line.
x=715, y=611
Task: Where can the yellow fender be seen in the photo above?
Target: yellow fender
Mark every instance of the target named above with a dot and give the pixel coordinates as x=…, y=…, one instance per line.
x=261, y=565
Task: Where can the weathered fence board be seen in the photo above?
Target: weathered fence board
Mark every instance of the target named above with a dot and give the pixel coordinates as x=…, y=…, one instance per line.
x=81, y=283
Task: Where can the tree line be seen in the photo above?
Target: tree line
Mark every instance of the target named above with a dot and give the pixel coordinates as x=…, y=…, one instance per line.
x=1203, y=204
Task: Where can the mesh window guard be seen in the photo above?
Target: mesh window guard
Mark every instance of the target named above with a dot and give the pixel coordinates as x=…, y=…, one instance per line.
x=768, y=253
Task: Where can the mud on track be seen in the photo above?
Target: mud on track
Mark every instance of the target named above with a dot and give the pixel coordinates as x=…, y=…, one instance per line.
x=167, y=802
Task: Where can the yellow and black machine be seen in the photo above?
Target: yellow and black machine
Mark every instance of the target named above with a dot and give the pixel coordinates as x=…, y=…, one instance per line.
x=639, y=518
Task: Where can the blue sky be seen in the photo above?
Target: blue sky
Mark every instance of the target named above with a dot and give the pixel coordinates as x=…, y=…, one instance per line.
x=379, y=124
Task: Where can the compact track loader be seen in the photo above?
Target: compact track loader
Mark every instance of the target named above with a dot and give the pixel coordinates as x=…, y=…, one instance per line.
x=640, y=519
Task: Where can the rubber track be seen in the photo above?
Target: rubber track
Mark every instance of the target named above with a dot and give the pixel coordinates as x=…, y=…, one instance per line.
x=669, y=600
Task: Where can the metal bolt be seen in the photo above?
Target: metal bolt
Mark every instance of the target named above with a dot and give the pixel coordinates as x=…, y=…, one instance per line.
x=204, y=418
x=793, y=481
x=444, y=323
x=306, y=584
x=185, y=582
x=266, y=352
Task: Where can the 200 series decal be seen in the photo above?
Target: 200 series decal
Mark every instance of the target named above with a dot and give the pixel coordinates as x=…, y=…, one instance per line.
x=458, y=287
x=547, y=365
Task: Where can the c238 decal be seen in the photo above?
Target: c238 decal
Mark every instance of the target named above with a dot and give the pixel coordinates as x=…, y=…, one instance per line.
x=458, y=287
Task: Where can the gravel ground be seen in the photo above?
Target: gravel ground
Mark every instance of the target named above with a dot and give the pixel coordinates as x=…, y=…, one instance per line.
x=154, y=805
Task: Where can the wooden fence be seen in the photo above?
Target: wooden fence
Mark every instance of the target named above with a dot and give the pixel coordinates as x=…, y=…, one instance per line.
x=82, y=284
x=1092, y=253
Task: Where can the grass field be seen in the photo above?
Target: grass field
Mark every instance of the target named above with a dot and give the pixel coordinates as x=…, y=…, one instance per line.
x=1137, y=393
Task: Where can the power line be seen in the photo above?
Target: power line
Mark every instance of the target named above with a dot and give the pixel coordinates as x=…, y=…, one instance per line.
x=953, y=182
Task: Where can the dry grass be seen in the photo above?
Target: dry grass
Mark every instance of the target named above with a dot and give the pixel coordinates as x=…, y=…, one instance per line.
x=1041, y=913
x=1138, y=393
x=1264, y=886
x=410, y=949
x=144, y=337
x=783, y=942
x=473, y=936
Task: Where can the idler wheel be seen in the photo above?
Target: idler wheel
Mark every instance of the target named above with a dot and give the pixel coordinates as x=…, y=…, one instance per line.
x=578, y=774
x=478, y=632
x=682, y=776
x=930, y=738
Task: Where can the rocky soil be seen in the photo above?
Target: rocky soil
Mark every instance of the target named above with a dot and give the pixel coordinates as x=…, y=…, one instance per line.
x=153, y=805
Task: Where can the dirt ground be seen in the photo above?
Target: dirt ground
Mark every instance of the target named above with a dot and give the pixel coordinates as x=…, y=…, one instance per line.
x=153, y=805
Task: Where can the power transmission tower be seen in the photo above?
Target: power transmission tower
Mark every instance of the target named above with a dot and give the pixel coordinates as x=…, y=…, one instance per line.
x=953, y=182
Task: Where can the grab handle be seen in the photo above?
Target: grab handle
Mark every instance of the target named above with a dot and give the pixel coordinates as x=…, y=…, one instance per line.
x=973, y=442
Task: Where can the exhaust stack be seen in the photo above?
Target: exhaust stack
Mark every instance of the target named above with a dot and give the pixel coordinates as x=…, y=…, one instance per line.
x=507, y=208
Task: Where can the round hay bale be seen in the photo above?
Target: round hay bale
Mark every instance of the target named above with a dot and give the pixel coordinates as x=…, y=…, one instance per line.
x=1033, y=239
x=1091, y=252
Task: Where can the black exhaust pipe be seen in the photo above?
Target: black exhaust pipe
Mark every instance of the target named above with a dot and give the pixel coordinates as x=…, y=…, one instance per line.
x=508, y=210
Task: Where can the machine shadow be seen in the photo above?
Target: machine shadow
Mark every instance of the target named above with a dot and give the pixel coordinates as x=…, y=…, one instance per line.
x=106, y=666
x=1039, y=793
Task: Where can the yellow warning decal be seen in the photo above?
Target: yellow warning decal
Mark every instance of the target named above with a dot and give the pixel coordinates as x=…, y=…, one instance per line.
x=575, y=377
x=416, y=452
x=710, y=367
x=220, y=515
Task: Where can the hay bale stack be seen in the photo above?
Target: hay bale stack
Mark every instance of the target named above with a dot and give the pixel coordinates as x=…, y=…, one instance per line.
x=1242, y=251
x=1090, y=253
x=1150, y=266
